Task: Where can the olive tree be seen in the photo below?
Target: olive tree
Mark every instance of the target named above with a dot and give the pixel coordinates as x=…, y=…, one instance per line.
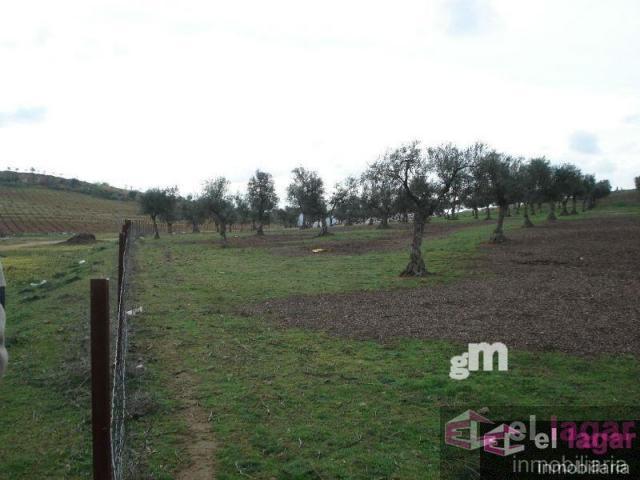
x=570, y=185
x=426, y=180
x=379, y=195
x=219, y=204
x=306, y=192
x=158, y=203
x=500, y=175
x=194, y=211
x=345, y=203
x=262, y=197
x=287, y=216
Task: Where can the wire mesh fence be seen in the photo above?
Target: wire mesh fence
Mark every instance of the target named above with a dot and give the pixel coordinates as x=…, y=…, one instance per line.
x=112, y=318
x=119, y=377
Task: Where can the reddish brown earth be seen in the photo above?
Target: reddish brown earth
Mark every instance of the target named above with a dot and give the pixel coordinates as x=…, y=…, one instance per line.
x=571, y=286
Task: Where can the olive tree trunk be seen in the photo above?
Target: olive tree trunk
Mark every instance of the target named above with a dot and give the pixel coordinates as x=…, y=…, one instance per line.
x=195, y=228
x=552, y=211
x=416, y=266
x=574, y=207
x=488, y=217
x=564, y=210
x=223, y=234
x=260, y=226
x=527, y=221
x=498, y=234
x=324, y=229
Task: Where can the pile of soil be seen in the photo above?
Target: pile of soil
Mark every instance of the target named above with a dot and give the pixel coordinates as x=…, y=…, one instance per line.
x=81, y=239
x=571, y=286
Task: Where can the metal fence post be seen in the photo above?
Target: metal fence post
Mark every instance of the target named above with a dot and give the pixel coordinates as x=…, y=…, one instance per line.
x=100, y=382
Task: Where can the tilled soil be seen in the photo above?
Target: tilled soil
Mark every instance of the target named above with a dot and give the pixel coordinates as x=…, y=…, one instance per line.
x=571, y=286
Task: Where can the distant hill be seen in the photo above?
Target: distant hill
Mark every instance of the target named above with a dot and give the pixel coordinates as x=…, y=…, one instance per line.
x=100, y=190
x=35, y=203
x=621, y=198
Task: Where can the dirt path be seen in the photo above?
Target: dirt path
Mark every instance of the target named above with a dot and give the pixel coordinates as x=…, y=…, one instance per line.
x=35, y=243
x=571, y=286
x=200, y=445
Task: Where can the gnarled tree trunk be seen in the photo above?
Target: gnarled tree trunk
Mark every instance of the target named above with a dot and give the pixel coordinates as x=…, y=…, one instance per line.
x=488, y=217
x=195, y=228
x=223, y=234
x=552, y=211
x=324, y=229
x=564, y=210
x=384, y=222
x=527, y=221
x=498, y=233
x=574, y=209
x=416, y=266
x=475, y=213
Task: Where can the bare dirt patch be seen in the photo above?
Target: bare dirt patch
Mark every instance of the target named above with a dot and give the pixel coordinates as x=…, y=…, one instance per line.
x=303, y=242
x=201, y=446
x=570, y=286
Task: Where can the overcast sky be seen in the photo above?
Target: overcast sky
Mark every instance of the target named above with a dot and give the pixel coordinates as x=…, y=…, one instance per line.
x=158, y=93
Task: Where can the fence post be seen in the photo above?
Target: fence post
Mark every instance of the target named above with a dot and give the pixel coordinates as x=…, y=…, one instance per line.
x=100, y=382
x=121, y=246
x=3, y=285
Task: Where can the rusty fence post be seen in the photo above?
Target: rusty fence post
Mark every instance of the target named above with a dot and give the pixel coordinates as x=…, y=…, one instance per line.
x=100, y=381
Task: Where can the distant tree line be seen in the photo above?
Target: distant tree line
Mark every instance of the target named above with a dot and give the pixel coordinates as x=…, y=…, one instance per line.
x=409, y=183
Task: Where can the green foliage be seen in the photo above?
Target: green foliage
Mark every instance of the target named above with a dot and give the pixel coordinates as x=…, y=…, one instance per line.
x=261, y=195
x=159, y=204
x=306, y=192
x=346, y=202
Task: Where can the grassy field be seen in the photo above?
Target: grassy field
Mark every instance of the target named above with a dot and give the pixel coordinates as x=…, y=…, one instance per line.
x=277, y=402
x=44, y=398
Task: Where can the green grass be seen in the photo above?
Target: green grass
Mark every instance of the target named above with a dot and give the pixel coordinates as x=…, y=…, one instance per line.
x=289, y=403
x=44, y=397
x=282, y=403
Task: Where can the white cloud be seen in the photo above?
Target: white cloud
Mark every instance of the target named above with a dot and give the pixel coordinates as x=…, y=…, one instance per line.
x=160, y=93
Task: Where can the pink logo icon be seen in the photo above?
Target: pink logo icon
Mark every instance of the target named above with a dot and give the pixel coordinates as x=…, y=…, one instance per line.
x=464, y=432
